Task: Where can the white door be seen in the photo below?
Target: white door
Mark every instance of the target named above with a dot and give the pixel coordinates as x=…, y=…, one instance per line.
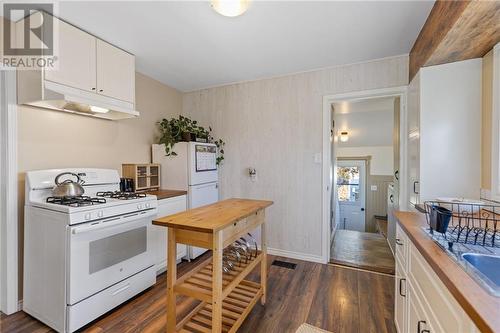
x=201, y=195
x=167, y=207
x=401, y=299
x=202, y=163
x=76, y=63
x=413, y=143
x=105, y=252
x=351, y=187
x=115, y=72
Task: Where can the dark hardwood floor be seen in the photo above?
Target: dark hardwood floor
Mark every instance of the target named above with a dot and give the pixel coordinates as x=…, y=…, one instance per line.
x=340, y=300
x=363, y=250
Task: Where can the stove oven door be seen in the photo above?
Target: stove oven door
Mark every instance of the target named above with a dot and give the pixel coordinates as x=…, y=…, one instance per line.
x=105, y=252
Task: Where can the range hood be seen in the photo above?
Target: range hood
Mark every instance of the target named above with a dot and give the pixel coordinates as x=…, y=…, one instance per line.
x=59, y=97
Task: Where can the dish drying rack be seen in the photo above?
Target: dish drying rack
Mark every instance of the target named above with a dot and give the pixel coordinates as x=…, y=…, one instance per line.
x=474, y=223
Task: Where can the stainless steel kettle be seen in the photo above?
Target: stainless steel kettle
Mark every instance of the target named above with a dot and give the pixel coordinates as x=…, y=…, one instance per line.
x=68, y=187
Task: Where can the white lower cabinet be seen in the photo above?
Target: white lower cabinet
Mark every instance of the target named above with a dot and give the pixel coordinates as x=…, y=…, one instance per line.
x=401, y=307
x=166, y=207
x=418, y=319
x=423, y=304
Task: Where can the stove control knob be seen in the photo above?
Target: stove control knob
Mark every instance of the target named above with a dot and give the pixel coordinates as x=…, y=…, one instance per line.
x=100, y=214
x=139, y=207
x=88, y=216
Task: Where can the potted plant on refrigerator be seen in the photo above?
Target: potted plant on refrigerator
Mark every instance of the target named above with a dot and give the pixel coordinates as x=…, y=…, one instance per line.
x=185, y=129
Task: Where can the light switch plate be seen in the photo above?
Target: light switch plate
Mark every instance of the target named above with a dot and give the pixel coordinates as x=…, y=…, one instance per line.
x=374, y=188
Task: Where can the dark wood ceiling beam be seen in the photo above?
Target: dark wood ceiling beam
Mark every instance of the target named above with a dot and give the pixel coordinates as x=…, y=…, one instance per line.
x=455, y=31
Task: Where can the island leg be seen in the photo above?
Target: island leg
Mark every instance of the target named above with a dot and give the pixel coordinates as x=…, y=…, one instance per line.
x=171, y=278
x=217, y=283
x=263, y=263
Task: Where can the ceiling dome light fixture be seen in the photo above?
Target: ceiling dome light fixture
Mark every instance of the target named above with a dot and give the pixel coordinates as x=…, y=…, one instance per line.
x=230, y=8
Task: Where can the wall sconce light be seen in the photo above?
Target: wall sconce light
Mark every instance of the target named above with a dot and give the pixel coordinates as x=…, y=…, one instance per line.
x=344, y=136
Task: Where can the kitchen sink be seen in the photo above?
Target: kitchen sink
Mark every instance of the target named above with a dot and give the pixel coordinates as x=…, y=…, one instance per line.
x=487, y=267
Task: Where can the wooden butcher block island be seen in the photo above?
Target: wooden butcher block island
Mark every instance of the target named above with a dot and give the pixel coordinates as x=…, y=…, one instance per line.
x=226, y=298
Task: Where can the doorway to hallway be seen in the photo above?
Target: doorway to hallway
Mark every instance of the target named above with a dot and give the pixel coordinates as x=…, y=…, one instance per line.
x=364, y=165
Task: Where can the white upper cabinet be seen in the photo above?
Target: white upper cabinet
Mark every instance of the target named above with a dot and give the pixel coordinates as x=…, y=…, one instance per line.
x=91, y=65
x=76, y=59
x=89, y=76
x=444, y=132
x=413, y=143
x=495, y=129
x=115, y=72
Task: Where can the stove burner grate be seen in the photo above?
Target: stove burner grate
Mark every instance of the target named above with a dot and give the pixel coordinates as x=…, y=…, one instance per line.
x=121, y=195
x=79, y=201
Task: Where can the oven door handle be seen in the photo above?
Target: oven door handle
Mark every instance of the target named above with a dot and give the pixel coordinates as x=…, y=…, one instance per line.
x=113, y=221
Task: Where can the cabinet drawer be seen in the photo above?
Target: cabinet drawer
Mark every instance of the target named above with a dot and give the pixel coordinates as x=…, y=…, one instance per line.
x=439, y=303
x=94, y=306
x=236, y=230
x=171, y=206
x=401, y=247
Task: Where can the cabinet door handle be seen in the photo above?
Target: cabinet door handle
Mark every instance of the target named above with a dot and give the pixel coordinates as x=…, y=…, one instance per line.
x=396, y=174
x=100, y=90
x=401, y=287
x=391, y=198
x=419, y=326
x=415, y=187
x=93, y=88
x=399, y=242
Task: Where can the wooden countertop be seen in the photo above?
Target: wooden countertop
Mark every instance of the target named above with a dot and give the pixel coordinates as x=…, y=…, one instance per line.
x=213, y=217
x=482, y=308
x=164, y=194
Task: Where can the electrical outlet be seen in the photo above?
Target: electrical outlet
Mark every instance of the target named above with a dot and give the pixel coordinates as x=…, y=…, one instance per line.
x=374, y=188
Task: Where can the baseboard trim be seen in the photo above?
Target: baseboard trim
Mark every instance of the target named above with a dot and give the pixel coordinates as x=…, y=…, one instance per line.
x=295, y=255
x=359, y=269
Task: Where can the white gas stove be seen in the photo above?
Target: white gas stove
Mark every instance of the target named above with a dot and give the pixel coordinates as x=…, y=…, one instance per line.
x=84, y=255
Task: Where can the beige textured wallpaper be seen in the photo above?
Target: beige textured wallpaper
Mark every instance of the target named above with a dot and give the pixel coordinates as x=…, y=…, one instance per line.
x=51, y=139
x=487, y=109
x=275, y=126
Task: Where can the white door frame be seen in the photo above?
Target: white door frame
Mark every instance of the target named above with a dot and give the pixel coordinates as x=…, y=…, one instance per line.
x=327, y=121
x=9, y=297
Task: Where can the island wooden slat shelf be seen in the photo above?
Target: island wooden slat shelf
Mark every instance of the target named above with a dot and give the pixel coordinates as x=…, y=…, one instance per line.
x=235, y=307
x=198, y=282
x=226, y=298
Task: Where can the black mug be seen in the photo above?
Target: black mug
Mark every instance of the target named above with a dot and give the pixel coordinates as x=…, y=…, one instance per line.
x=126, y=185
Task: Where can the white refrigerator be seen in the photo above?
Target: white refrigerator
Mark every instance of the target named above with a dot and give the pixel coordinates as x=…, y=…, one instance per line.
x=194, y=170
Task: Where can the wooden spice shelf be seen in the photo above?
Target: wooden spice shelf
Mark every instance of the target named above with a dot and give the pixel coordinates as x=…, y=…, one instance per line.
x=198, y=282
x=235, y=308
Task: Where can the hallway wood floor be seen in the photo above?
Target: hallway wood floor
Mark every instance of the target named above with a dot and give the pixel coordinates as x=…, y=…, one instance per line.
x=363, y=250
x=337, y=299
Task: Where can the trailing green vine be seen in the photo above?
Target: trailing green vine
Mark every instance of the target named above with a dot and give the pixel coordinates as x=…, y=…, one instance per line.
x=181, y=129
